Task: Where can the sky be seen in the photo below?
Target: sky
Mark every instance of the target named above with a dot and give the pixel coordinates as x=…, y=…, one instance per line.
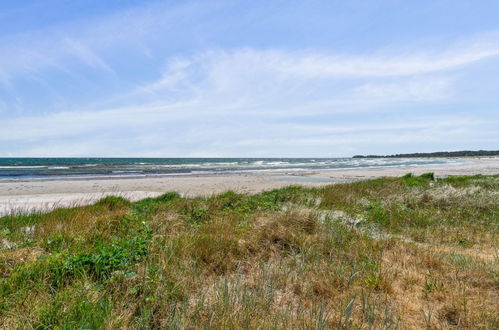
x=124, y=78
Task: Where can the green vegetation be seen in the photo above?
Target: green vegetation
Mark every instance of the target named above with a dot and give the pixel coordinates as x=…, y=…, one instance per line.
x=409, y=252
x=463, y=153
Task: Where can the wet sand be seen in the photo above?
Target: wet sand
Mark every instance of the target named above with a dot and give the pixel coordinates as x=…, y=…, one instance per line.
x=29, y=195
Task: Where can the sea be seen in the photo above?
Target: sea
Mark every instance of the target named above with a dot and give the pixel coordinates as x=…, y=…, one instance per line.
x=13, y=169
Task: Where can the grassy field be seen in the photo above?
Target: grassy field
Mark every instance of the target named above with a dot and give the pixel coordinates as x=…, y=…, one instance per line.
x=410, y=252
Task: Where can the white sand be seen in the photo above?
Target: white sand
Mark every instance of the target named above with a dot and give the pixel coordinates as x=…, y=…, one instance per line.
x=42, y=195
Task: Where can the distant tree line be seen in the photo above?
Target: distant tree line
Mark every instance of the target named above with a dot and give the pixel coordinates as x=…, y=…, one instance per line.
x=464, y=153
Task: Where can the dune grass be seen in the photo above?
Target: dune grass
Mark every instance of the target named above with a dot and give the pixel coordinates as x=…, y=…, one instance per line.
x=410, y=252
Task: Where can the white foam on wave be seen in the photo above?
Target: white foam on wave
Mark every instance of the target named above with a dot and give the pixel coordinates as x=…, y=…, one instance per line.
x=20, y=167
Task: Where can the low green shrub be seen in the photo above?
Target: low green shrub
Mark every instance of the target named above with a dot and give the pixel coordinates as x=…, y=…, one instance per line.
x=410, y=180
x=113, y=202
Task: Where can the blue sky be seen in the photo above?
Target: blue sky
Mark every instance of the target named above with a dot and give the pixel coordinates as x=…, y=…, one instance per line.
x=247, y=78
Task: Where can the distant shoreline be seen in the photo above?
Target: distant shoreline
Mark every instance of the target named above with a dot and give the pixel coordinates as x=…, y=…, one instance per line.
x=463, y=153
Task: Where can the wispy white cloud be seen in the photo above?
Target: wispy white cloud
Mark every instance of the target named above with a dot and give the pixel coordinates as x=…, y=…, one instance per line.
x=135, y=29
x=313, y=64
x=84, y=53
x=255, y=80
x=414, y=89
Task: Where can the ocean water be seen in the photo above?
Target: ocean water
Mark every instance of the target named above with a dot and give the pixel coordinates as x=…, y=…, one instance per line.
x=19, y=168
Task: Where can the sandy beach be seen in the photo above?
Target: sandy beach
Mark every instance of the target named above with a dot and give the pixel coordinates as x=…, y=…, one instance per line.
x=28, y=195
